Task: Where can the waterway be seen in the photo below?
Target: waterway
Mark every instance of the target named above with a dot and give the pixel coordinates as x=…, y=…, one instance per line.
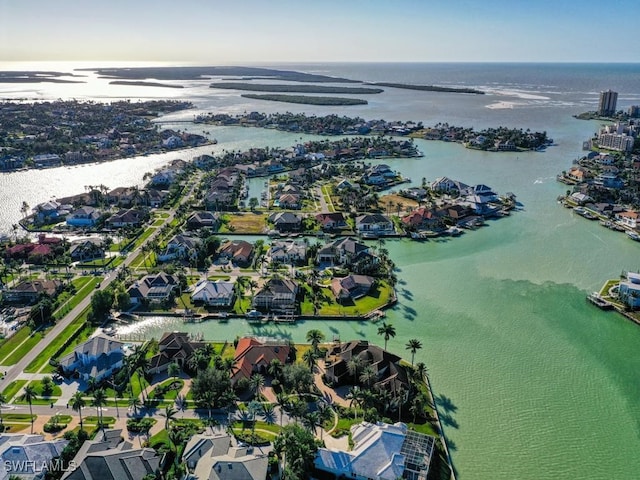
x=539, y=384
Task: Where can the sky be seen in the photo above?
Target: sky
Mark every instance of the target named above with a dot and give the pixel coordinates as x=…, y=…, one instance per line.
x=217, y=32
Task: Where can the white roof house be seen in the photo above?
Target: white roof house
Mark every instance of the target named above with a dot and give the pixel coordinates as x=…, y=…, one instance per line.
x=218, y=293
x=381, y=451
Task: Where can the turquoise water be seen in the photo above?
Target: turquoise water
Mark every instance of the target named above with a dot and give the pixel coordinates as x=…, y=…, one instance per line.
x=544, y=385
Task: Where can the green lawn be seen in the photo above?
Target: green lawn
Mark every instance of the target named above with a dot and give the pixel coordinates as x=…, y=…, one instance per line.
x=13, y=388
x=377, y=297
x=93, y=420
x=23, y=349
x=85, y=286
x=16, y=427
x=52, y=348
x=158, y=223
x=7, y=346
x=18, y=417
x=37, y=384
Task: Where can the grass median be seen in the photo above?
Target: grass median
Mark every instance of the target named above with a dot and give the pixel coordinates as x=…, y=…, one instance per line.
x=52, y=348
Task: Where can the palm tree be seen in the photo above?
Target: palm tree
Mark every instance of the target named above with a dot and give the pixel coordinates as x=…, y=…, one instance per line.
x=314, y=337
x=388, y=331
x=421, y=371
x=368, y=376
x=353, y=365
x=309, y=358
x=168, y=414
x=135, y=403
x=174, y=370
x=3, y=400
x=275, y=368
x=354, y=396
x=77, y=404
x=99, y=400
x=29, y=395
x=175, y=437
x=268, y=413
x=256, y=382
x=413, y=345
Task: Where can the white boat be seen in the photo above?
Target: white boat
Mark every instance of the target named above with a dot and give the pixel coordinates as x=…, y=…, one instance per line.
x=633, y=235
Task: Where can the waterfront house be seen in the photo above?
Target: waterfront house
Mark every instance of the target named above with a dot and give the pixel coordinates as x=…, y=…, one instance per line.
x=49, y=212
x=288, y=251
x=628, y=218
x=217, y=456
x=289, y=200
x=108, y=457
x=123, y=196
x=182, y=247
x=351, y=287
x=83, y=217
x=30, y=291
x=253, y=355
x=581, y=198
x=343, y=251
x=608, y=180
x=380, y=451
x=153, y=288
x=277, y=294
x=577, y=174
x=423, y=218
x=286, y=222
x=236, y=251
x=203, y=220
x=629, y=290
x=46, y=160
x=99, y=357
x=214, y=294
x=446, y=185
x=374, y=223
x=28, y=457
x=331, y=221
x=391, y=375
x=173, y=347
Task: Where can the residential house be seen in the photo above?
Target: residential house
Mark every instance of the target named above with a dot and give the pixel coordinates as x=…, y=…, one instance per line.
x=87, y=249
x=629, y=290
x=289, y=200
x=577, y=174
x=345, y=184
x=155, y=198
x=331, y=221
x=380, y=451
x=628, y=218
x=182, y=247
x=203, y=220
x=446, y=185
x=30, y=291
x=123, y=196
x=164, y=177
x=415, y=193
x=391, y=375
x=126, y=218
x=173, y=347
x=153, y=288
x=99, y=357
x=108, y=457
x=51, y=211
x=253, y=355
x=237, y=251
x=423, y=218
x=374, y=223
x=27, y=457
x=286, y=221
x=277, y=294
x=351, y=287
x=83, y=217
x=214, y=294
x=343, y=251
x=217, y=456
x=288, y=251
x=608, y=180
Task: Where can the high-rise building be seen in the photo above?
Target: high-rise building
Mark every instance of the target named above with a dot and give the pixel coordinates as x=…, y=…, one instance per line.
x=634, y=111
x=607, y=104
